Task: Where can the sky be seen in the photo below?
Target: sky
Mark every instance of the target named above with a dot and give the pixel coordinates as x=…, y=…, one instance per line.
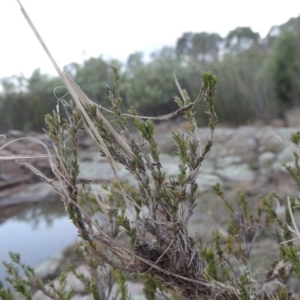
x=75, y=30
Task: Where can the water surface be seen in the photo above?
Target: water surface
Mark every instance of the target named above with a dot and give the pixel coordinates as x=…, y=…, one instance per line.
x=37, y=233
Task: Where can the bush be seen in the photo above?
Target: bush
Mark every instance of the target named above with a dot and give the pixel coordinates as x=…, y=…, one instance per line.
x=155, y=215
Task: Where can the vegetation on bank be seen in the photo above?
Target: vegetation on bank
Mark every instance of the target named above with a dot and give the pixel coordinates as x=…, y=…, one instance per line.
x=258, y=78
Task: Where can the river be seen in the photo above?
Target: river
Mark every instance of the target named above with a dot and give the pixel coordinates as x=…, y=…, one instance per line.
x=39, y=232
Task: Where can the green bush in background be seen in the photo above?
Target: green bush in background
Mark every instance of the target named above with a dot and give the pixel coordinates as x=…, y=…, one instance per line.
x=258, y=78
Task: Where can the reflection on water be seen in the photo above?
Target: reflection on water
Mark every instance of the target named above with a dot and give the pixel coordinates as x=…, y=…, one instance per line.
x=46, y=211
x=37, y=233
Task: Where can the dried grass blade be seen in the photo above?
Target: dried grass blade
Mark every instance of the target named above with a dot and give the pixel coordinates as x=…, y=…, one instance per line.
x=71, y=90
x=179, y=88
x=84, y=99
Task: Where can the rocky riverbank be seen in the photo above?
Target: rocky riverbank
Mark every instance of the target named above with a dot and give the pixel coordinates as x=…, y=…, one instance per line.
x=241, y=155
x=246, y=159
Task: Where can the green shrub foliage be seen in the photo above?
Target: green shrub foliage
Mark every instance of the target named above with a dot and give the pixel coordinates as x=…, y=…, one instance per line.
x=155, y=211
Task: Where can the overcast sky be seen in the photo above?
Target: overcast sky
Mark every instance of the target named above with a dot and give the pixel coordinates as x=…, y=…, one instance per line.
x=75, y=30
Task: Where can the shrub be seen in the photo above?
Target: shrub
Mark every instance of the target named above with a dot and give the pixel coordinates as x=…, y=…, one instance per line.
x=155, y=211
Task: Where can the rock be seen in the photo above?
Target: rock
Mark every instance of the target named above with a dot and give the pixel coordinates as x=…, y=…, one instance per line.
x=19, y=296
x=285, y=155
x=206, y=181
x=265, y=161
x=171, y=169
x=266, y=157
x=292, y=117
x=100, y=171
x=222, y=134
x=91, y=155
x=245, y=147
x=166, y=145
x=29, y=194
x=47, y=268
x=86, y=142
x=99, y=191
x=202, y=225
x=39, y=295
x=71, y=281
x=226, y=161
x=170, y=165
x=5, y=177
x=134, y=288
x=284, y=132
x=237, y=173
x=277, y=166
x=277, y=123
x=81, y=297
x=15, y=133
x=218, y=150
x=267, y=142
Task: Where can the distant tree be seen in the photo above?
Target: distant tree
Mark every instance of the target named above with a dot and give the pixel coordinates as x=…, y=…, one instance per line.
x=25, y=102
x=259, y=78
x=205, y=46
x=199, y=46
x=41, y=97
x=149, y=86
x=14, y=110
x=134, y=62
x=184, y=44
x=292, y=25
x=284, y=68
x=94, y=77
x=240, y=39
x=242, y=93
x=72, y=68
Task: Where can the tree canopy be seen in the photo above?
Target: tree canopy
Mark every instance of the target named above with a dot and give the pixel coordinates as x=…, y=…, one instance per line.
x=258, y=78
